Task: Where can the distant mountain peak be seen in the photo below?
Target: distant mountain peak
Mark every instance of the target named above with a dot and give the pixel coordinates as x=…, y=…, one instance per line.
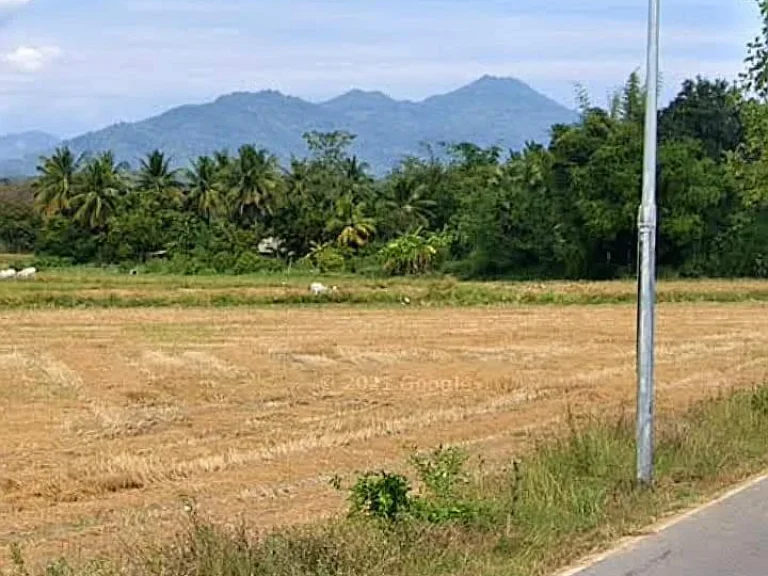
x=489, y=83
x=356, y=96
x=243, y=95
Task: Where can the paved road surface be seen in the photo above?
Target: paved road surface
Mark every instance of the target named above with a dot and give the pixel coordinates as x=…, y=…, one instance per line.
x=728, y=539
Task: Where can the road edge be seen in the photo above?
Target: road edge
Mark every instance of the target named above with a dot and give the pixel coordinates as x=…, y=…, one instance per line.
x=628, y=542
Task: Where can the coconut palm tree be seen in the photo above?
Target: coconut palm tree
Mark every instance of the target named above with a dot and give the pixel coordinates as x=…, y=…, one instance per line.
x=356, y=179
x=205, y=188
x=256, y=180
x=98, y=191
x=297, y=178
x=406, y=201
x=156, y=177
x=223, y=160
x=55, y=187
x=353, y=227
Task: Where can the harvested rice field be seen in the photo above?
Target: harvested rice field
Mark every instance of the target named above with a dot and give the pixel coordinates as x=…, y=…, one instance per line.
x=114, y=419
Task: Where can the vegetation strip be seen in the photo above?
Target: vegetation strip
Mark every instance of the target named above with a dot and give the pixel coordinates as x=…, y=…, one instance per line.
x=94, y=289
x=568, y=497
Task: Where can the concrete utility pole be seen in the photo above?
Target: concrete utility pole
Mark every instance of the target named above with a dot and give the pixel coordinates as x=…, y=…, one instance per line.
x=647, y=260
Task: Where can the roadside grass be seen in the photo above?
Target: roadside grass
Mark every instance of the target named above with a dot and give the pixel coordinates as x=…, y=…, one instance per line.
x=569, y=496
x=104, y=288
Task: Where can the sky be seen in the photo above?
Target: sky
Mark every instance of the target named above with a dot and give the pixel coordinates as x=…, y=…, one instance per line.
x=68, y=66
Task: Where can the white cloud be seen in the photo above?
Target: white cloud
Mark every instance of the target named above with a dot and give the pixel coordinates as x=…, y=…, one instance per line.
x=29, y=58
x=13, y=3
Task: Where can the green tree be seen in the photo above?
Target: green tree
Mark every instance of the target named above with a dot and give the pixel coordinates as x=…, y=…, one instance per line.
x=356, y=180
x=755, y=78
x=633, y=100
x=597, y=173
x=156, y=178
x=98, y=191
x=54, y=188
x=205, y=194
x=351, y=225
x=329, y=148
x=693, y=194
x=707, y=111
x=301, y=218
x=256, y=182
x=18, y=226
x=741, y=248
x=406, y=202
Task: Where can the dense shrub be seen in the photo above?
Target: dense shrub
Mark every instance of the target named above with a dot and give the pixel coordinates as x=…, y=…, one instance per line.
x=19, y=226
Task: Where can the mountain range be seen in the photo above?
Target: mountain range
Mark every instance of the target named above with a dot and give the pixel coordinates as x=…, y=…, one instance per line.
x=489, y=111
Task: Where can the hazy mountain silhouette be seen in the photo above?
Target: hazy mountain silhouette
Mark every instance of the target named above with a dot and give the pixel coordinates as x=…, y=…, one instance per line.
x=489, y=111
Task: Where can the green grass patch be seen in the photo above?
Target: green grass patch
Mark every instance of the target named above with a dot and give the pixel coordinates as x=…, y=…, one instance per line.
x=109, y=288
x=568, y=496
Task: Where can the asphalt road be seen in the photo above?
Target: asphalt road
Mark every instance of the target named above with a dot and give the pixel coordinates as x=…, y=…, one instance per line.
x=729, y=538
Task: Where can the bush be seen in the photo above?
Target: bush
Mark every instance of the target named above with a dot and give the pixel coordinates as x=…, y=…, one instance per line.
x=19, y=226
x=414, y=253
x=327, y=258
x=62, y=237
x=49, y=262
x=250, y=263
x=387, y=496
x=382, y=496
x=223, y=262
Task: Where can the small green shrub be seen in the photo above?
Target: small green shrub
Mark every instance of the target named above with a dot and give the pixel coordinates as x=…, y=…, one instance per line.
x=444, y=499
x=326, y=257
x=441, y=471
x=382, y=496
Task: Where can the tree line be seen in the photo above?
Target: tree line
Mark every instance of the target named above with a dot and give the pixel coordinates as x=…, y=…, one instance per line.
x=565, y=210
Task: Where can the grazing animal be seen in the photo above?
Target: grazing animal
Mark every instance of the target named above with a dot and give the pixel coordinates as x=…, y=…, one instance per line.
x=134, y=272
x=7, y=274
x=27, y=274
x=317, y=288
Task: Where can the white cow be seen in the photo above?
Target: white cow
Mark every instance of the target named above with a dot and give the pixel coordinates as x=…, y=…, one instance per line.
x=27, y=274
x=317, y=288
x=8, y=274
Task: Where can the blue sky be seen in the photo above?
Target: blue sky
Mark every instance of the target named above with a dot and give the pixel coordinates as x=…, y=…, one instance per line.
x=72, y=65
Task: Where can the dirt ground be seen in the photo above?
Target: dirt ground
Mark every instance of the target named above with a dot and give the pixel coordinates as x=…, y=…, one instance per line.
x=113, y=419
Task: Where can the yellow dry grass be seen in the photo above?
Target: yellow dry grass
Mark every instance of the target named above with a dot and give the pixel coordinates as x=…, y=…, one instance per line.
x=111, y=418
